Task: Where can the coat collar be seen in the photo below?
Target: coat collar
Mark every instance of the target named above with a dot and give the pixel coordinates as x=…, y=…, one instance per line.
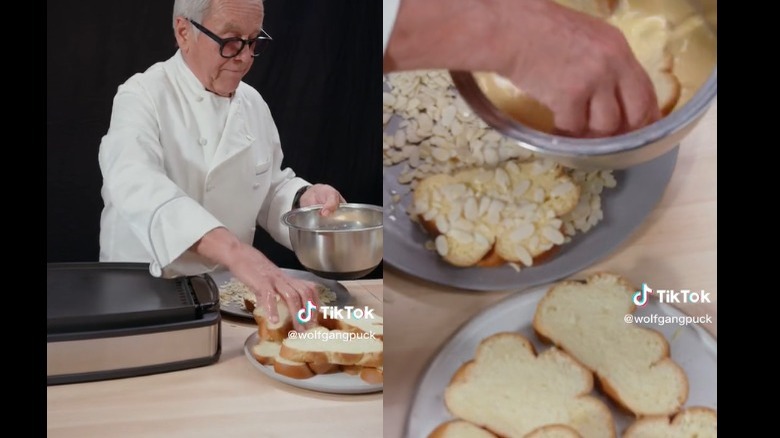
x=236, y=136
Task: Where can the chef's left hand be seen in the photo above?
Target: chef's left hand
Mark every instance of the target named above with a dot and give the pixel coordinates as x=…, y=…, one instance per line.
x=322, y=194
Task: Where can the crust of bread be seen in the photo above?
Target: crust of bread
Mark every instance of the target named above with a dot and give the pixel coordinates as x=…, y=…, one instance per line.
x=554, y=431
x=323, y=368
x=373, y=376
x=249, y=305
x=666, y=426
x=296, y=370
x=460, y=429
x=352, y=370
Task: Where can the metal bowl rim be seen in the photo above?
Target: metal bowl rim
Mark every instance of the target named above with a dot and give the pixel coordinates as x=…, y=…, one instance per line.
x=286, y=218
x=541, y=142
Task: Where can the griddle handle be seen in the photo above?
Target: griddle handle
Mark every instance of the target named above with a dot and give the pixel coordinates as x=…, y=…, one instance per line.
x=206, y=292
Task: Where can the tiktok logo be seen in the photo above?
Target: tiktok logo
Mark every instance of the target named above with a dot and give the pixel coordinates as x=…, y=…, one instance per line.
x=304, y=315
x=640, y=296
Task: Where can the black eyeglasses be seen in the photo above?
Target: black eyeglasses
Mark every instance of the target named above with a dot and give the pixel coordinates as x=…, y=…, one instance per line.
x=231, y=47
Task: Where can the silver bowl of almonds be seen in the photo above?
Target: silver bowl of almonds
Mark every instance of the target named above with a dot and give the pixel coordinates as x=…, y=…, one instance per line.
x=676, y=42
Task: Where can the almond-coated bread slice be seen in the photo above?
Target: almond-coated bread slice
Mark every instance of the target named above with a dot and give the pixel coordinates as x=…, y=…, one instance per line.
x=511, y=391
x=693, y=422
x=587, y=320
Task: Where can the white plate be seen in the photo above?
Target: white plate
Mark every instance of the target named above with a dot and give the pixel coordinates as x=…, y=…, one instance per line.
x=343, y=297
x=692, y=348
x=336, y=383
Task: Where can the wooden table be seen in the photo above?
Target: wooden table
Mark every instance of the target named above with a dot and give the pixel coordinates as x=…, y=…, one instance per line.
x=227, y=399
x=676, y=246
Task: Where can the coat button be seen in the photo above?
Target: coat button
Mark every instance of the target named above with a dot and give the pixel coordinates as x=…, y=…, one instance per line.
x=255, y=185
x=209, y=187
x=199, y=98
x=202, y=141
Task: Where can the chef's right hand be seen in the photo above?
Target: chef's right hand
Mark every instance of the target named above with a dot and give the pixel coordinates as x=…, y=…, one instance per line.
x=260, y=275
x=267, y=281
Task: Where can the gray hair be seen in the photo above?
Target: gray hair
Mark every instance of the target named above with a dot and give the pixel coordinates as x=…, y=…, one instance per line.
x=192, y=9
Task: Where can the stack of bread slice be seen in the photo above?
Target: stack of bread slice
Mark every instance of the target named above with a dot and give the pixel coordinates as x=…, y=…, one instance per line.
x=351, y=345
x=509, y=390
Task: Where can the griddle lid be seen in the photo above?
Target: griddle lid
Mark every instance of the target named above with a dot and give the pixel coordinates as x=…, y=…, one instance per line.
x=84, y=297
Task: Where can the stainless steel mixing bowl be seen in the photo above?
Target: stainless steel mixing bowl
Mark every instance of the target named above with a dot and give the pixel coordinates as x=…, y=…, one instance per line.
x=602, y=153
x=344, y=245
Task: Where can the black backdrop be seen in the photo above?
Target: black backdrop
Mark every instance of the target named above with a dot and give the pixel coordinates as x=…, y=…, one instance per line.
x=321, y=77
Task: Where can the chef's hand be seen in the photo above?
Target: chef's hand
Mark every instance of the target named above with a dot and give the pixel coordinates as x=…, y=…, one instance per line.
x=260, y=275
x=267, y=281
x=580, y=67
x=583, y=69
x=322, y=194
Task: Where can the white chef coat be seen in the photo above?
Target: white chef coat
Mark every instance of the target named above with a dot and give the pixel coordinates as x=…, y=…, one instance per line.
x=389, y=12
x=165, y=182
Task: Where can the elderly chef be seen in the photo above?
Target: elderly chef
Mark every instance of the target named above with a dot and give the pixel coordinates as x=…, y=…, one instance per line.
x=191, y=161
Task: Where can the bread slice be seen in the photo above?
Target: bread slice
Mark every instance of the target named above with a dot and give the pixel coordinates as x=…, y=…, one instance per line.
x=373, y=376
x=649, y=37
x=511, y=391
x=459, y=429
x=632, y=363
x=269, y=331
x=323, y=367
x=333, y=346
x=292, y=369
x=352, y=370
x=511, y=212
x=554, y=431
x=694, y=422
x=267, y=353
x=368, y=326
x=367, y=374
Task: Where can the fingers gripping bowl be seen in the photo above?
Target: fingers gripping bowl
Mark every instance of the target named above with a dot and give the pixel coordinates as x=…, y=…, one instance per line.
x=674, y=40
x=346, y=244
